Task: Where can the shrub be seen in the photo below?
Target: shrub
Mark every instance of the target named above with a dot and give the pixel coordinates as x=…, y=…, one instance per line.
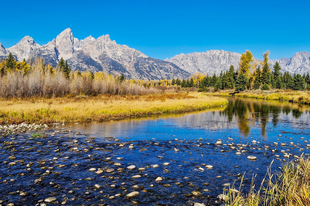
x=265, y=87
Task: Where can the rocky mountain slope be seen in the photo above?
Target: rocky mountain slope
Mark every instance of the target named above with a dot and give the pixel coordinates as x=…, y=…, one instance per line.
x=101, y=54
x=209, y=62
x=215, y=61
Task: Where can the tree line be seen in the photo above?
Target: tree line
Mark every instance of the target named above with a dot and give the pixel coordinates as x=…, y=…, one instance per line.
x=250, y=75
x=20, y=79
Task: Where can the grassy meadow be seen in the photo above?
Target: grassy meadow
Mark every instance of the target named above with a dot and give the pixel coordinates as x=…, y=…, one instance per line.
x=102, y=107
x=300, y=97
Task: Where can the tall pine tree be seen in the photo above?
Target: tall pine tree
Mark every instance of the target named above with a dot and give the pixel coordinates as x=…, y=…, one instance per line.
x=266, y=76
x=257, y=81
x=276, y=76
x=64, y=67
x=10, y=61
x=230, y=78
x=241, y=82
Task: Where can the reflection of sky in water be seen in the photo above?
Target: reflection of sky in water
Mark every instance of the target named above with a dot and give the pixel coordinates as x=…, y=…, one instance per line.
x=243, y=118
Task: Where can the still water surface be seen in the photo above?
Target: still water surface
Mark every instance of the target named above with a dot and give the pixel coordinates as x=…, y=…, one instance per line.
x=244, y=118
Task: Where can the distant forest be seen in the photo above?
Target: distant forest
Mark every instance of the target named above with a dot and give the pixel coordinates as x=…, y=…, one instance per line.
x=250, y=75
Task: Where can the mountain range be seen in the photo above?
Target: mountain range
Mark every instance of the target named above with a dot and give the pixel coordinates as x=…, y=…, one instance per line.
x=215, y=61
x=103, y=54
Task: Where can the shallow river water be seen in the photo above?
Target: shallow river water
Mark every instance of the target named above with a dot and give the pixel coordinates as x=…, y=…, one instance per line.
x=88, y=164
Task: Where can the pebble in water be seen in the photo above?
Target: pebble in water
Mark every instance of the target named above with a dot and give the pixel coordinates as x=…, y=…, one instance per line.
x=159, y=179
x=50, y=199
x=176, y=150
x=199, y=204
x=219, y=142
x=252, y=157
x=131, y=167
x=209, y=167
x=97, y=186
x=132, y=194
x=92, y=169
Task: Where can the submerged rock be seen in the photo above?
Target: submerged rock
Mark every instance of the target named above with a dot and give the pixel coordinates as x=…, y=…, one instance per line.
x=218, y=142
x=131, y=167
x=159, y=179
x=199, y=204
x=132, y=194
x=252, y=157
x=50, y=199
x=209, y=167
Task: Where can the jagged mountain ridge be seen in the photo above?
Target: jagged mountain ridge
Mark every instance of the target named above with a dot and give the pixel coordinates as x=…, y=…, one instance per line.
x=215, y=61
x=101, y=54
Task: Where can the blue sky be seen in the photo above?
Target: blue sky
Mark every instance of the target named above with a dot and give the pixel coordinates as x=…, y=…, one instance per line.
x=164, y=28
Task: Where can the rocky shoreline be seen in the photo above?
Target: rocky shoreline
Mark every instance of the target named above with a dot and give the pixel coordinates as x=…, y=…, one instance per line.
x=57, y=166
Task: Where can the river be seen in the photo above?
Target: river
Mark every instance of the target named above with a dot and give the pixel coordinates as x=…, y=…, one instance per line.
x=177, y=149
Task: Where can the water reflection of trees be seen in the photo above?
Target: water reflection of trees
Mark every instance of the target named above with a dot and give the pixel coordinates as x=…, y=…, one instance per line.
x=250, y=112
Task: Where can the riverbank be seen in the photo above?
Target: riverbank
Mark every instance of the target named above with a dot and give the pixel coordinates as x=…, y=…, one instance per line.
x=300, y=97
x=288, y=187
x=102, y=108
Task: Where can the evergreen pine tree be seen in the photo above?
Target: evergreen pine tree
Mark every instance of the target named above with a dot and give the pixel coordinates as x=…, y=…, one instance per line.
x=187, y=83
x=241, y=82
x=286, y=80
x=213, y=80
x=61, y=64
x=178, y=81
x=257, y=81
x=290, y=83
x=278, y=84
x=10, y=61
x=224, y=80
x=122, y=78
x=92, y=76
x=266, y=76
x=299, y=82
x=218, y=84
x=183, y=84
x=191, y=83
x=276, y=77
x=67, y=70
x=230, y=78
x=173, y=82
x=307, y=79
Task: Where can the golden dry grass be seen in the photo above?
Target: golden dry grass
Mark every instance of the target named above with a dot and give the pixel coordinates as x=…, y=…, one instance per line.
x=289, y=187
x=101, y=108
x=301, y=97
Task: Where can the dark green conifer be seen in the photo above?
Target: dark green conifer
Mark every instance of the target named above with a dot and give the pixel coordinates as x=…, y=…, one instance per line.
x=10, y=61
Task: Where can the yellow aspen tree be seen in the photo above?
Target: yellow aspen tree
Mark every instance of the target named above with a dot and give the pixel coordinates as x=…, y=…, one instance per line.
x=245, y=63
